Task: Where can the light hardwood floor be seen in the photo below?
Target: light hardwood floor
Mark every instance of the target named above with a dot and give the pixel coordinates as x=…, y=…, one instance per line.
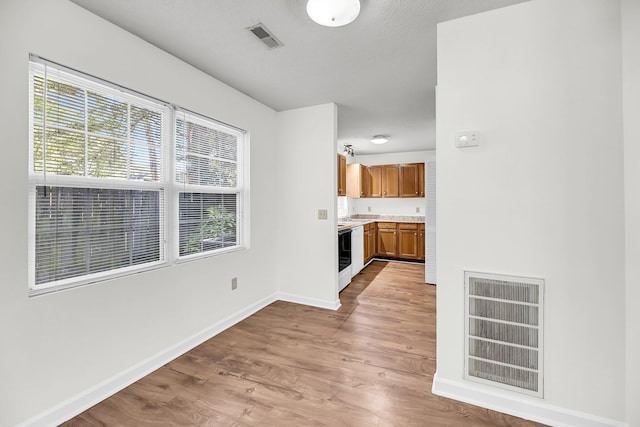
x=370, y=363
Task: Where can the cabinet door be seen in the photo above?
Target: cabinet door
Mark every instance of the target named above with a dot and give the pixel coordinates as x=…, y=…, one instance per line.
x=409, y=176
x=387, y=242
x=365, y=181
x=390, y=180
x=408, y=244
x=342, y=175
x=375, y=174
x=421, y=179
x=366, y=246
x=421, y=242
x=372, y=242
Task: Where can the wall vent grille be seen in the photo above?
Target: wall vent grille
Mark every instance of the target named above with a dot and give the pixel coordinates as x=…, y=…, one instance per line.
x=503, y=331
x=265, y=36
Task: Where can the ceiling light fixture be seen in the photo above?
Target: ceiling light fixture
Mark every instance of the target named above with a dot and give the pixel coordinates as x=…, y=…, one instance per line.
x=379, y=139
x=348, y=150
x=333, y=13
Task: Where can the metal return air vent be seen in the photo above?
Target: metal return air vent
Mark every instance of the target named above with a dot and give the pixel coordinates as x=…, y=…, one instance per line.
x=503, y=331
x=264, y=35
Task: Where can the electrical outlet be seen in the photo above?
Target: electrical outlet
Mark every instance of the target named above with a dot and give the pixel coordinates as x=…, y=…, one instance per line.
x=368, y=208
x=418, y=210
x=322, y=214
x=234, y=283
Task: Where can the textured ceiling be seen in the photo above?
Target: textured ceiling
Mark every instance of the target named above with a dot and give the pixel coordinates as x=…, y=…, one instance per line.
x=380, y=69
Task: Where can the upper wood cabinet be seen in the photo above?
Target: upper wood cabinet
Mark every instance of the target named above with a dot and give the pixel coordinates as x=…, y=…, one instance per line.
x=375, y=181
x=342, y=175
x=410, y=180
x=358, y=181
x=390, y=181
x=405, y=180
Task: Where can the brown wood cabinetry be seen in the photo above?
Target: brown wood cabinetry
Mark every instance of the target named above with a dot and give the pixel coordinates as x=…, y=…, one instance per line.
x=375, y=181
x=342, y=175
x=421, y=179
x=408, y=241
x=390, y=181
x=387, y=239
x=401, y=240
x=369, y=241
x=410, y=180
x=358, y=181
x=421, y=242
x=405, y=180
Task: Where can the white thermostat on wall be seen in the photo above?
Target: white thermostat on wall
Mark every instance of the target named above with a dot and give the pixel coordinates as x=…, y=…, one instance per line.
x=467, y=139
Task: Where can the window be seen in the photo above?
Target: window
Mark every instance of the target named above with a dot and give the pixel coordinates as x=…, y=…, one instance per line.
x=208, y=184
x=102, y=187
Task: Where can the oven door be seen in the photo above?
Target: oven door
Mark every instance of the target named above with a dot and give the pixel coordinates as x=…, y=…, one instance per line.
x=344, y=249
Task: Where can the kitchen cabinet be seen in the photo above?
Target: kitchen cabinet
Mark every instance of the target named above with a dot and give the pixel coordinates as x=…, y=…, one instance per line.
x=410, y=180
x=375, y=181
x=358, y=181
x=400, y=240
x=370, y=234
x=421, y=179
x=342, y=175
x=408, y=246
x=390, y=181
x=421, y=242
x=384, y=181
x=387, y=239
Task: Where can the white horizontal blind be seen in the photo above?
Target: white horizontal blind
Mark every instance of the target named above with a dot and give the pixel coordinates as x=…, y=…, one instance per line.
x=209, y=184
x=96, y=175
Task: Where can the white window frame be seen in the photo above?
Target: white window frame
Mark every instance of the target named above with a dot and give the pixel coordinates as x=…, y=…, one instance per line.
x=167, y=186
x=241, y=201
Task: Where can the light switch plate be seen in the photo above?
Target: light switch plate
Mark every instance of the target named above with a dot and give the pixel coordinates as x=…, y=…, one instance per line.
x=322, y=214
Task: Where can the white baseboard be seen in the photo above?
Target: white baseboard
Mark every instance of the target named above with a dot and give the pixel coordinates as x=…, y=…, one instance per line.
x=83, y=401
x=520, y=407
x=314, y=302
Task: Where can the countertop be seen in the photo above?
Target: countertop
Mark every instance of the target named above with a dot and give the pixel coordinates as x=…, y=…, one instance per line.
x=361, y=219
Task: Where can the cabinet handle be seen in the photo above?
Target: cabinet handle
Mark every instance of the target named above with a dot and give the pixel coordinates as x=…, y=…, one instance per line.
x=415, y=234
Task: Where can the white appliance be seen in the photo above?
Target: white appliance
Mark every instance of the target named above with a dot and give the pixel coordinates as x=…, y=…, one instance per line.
x=357, y=249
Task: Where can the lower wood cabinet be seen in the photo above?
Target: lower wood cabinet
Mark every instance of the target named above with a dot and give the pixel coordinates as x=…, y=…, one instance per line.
x=408, y=246
x=397, y=240
x=369, y=241
x=421, y=242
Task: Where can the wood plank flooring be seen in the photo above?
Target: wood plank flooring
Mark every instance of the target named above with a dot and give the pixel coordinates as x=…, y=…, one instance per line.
x=370, y=363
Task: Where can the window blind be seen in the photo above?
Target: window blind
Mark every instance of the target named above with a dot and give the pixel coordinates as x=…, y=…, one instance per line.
x=96, y=174
x=209, y=184
x=120, y=182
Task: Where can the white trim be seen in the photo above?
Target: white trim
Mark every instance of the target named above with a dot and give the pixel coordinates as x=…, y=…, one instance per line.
x=79, y=403
x=86, y=399
x=313, y=302
x=517, y=405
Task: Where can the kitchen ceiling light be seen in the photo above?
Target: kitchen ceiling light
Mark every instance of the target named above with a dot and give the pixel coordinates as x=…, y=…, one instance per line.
x=333, y=13
x=379, y=139
x=348, y=150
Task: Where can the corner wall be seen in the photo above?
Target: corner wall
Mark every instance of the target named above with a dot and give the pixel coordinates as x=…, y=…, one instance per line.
x=631, y=103
x=541, y=197
x=307, y=247
x=57, y=346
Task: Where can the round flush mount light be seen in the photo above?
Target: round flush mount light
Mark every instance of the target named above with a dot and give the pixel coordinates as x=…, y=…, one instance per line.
x=379, y=139
x=333, y=13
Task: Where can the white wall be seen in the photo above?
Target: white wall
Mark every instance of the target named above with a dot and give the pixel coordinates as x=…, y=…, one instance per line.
x=392, y=206
x=307, y=181
x=57, y=345
x=631, y=104
x=543, y=196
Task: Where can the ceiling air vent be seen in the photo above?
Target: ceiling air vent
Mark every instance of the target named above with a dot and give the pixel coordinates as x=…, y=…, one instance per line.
x=262, y=33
